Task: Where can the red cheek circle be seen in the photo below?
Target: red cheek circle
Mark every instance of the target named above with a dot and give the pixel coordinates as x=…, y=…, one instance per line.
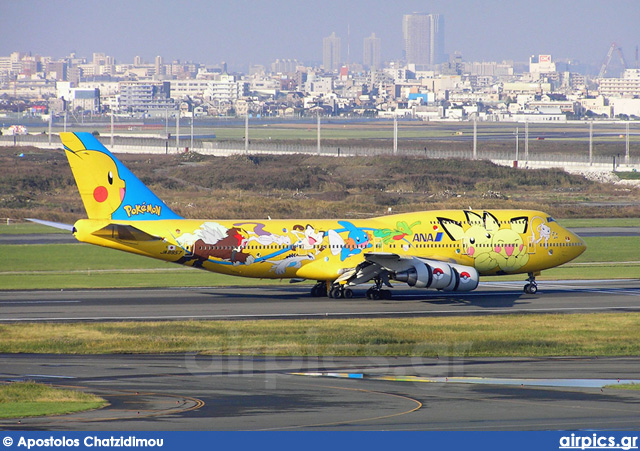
x=100, y=194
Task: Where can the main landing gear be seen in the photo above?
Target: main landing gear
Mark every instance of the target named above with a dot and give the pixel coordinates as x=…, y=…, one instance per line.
x=376, y=292
x=531, y=287
x=319, y=290
x=340, y=291
x=336, y=291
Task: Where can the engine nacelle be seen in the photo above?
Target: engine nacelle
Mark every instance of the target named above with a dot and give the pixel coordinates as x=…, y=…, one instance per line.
x=419, y=275
x=438, y=275
x=465, y=278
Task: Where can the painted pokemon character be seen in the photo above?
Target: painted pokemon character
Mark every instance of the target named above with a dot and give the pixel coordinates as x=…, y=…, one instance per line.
x=445, y=250
x=476, y=237
x=495, y=247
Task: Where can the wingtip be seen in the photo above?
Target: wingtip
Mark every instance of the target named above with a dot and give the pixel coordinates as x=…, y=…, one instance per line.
x=57, y=225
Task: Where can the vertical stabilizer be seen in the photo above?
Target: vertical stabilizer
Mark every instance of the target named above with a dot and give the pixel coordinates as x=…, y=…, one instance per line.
x=108, y=189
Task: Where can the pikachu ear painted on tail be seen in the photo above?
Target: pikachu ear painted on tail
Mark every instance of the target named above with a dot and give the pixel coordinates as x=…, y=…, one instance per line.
x=108, y=189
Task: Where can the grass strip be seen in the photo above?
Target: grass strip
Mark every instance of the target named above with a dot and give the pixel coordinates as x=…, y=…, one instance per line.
x=22, y=228
x=532, y=335
x=624, y=386
x=29, y=399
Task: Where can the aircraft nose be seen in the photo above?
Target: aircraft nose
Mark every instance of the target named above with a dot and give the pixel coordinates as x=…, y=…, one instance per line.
x=576, y=245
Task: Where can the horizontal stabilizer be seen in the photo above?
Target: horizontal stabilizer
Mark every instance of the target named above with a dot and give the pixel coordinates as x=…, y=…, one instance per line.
x=124, y=233
x=57, y=225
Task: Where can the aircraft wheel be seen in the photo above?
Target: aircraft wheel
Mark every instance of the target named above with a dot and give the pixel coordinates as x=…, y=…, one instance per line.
x=319, y=291
x=348, y=293
x=533, y=288
x=526, y=288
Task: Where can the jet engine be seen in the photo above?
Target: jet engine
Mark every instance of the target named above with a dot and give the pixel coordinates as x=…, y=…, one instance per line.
x=423, y=273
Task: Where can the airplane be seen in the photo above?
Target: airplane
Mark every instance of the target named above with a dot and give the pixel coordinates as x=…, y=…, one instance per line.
x=446, y=250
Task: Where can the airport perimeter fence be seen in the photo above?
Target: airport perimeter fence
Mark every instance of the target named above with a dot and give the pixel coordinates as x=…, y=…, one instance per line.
x=157, y=145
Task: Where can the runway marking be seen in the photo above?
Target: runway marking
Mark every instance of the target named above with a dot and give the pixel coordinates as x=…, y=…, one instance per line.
x=519, y=427
x=38, y=302
x=96, y=271
x=48, y=376
x=149, y=413
x=359, y=420
x=525, y=382
x=504, y=311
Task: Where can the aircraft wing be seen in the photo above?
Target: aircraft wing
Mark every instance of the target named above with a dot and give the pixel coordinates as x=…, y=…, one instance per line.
x=417, y=272
x=375, y=264
x=57, y=225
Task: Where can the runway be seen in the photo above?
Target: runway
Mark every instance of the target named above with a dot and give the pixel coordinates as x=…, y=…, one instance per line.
x=294, y=302
x=188, y=392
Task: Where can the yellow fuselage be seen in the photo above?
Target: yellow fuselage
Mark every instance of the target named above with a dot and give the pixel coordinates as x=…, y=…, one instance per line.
x=493, y=242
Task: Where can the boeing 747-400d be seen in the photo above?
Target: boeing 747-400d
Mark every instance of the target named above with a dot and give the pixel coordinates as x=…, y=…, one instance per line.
x=444, y=250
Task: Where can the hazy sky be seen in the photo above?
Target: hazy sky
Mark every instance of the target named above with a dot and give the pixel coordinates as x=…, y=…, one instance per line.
x=243, y=32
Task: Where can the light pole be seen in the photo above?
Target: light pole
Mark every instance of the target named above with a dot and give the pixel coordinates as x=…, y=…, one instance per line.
x=590, y=143
x=626, y=155
x=178, y=131
x=246, y=131
x=475, y=135
x=111, y=130
x=517, y=145
x=526, y=140
x=318, y=118
x=395, y=132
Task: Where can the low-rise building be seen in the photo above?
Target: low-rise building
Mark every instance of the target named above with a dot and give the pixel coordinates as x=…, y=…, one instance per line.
x=145, y=97
x=627, y=86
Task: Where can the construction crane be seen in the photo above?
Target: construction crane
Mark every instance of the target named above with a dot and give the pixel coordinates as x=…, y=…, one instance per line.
x=607, y=59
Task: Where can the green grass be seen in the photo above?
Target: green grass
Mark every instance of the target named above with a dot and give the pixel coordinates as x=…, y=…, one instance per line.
x=612, y=334
x=28, y=399
x=36, y=266
x=624, y=386
x=599, y=222
x=629, y=175
x=23, y=228
x=70, y=257
x=611, y=249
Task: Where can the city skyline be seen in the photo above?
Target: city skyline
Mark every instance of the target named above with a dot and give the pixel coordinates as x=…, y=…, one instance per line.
x=247, y=32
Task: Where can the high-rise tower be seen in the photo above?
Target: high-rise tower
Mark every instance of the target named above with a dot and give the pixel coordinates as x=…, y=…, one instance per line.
x=423, y=38
x=331, y=53
x=371, y=53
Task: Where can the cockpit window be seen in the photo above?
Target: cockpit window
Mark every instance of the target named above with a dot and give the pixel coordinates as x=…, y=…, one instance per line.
x=550, y=219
